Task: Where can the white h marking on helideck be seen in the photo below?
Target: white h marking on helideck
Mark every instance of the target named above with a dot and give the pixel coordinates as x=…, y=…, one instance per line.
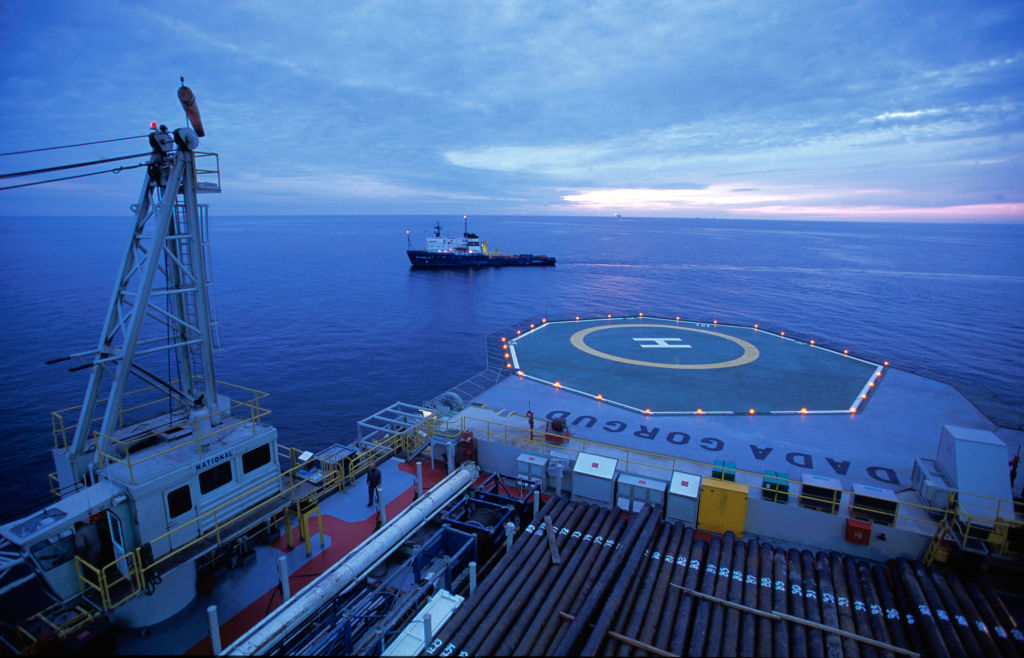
x=663, y=342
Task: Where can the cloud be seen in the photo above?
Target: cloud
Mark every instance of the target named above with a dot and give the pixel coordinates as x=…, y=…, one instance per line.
x=727, y=201
x=342, y=187
x=513, y=105
x=886, y=116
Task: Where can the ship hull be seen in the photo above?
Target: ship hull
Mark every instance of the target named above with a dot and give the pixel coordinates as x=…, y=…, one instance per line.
x=428, y=259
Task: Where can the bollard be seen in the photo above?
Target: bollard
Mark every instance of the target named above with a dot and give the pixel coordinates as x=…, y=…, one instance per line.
x=381, y=510
x=509, y=529
x=282, y=567
x=428, y=631
x=211, y=615
x=419, y=479
x=472, y=577
x=536, y=503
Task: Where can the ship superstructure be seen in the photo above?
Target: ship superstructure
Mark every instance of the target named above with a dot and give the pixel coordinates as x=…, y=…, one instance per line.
x=466, y=250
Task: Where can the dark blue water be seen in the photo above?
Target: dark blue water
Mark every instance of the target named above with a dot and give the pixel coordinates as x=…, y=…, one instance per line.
x=325, y=314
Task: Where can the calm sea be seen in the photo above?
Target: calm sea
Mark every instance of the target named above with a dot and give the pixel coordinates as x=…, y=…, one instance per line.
x=325, y=314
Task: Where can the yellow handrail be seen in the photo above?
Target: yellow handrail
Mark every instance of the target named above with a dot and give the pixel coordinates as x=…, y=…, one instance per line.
x=520, y=436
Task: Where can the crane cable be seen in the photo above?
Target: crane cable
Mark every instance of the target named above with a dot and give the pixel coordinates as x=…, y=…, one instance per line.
x=93, y=173
x=72, y=166
x=68, y=146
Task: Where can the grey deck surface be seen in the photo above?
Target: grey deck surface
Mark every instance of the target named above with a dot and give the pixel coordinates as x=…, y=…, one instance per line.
x=676, y=366
x=901, y=419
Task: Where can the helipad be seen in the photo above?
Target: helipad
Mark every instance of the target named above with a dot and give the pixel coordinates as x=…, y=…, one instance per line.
x=665, y=366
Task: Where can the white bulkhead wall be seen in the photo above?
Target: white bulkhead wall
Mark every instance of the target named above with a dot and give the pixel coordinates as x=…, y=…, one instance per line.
x=459, y=245
x=152, y=505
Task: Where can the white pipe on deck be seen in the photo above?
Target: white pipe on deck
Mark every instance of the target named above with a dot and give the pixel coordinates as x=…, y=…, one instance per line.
x=351, y=568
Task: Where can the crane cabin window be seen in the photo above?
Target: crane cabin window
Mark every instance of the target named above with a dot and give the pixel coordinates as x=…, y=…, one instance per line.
x=214, y=478
x=179, y=501
x=255, y=458
x=54, y=551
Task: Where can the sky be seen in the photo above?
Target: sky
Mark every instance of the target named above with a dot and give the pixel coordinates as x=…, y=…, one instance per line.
x=872, y=110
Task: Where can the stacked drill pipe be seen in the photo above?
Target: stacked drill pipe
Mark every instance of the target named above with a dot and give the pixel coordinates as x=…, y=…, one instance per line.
x=528, y=587
x=798, y=636
x=597, y=584
x=527, y=568
x=713, y=646
x=597, y=547
x=621, y=587
x=890, y=611
x=764, y=602
x=579, y=596
x=694, y=572
x=474, y=608
x=1006, y=618
x=624, y=571
x=671, y=615
x=731, y=631
x=524, y=589
x=1001, y=635
x=748, y=622
x=780, y=637
x=639, y=610
x=861, y=619
x=579, y=544
x=702, y=618
x=912, y=628
x=947, y=626
x=658, y=615
x=873, y=601
x=621, y=619
x=843, y=607
x=979, y=627
x=815, y=639
x=932, y=638
x=834, y=646
x=956, y=616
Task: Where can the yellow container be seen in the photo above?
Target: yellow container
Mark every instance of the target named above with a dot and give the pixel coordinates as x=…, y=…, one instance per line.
x=723, y=506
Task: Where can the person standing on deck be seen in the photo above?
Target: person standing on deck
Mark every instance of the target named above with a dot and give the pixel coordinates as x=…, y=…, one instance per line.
x=373, y=480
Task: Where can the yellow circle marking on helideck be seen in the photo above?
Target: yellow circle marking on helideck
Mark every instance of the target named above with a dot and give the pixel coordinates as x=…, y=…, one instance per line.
x=750, y=353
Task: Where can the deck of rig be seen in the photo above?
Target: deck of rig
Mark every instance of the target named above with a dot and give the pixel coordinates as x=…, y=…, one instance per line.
x=770, y=505
x=821, y=488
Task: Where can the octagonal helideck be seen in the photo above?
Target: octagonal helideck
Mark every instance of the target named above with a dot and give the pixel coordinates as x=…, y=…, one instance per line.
x=658, y=365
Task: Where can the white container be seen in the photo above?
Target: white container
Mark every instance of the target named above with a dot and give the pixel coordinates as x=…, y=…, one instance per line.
x=532, y=468
x=683, y=497
x=636, y=490
x=593, y=478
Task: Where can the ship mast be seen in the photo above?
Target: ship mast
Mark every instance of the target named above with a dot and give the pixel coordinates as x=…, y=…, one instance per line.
x=160, y=312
